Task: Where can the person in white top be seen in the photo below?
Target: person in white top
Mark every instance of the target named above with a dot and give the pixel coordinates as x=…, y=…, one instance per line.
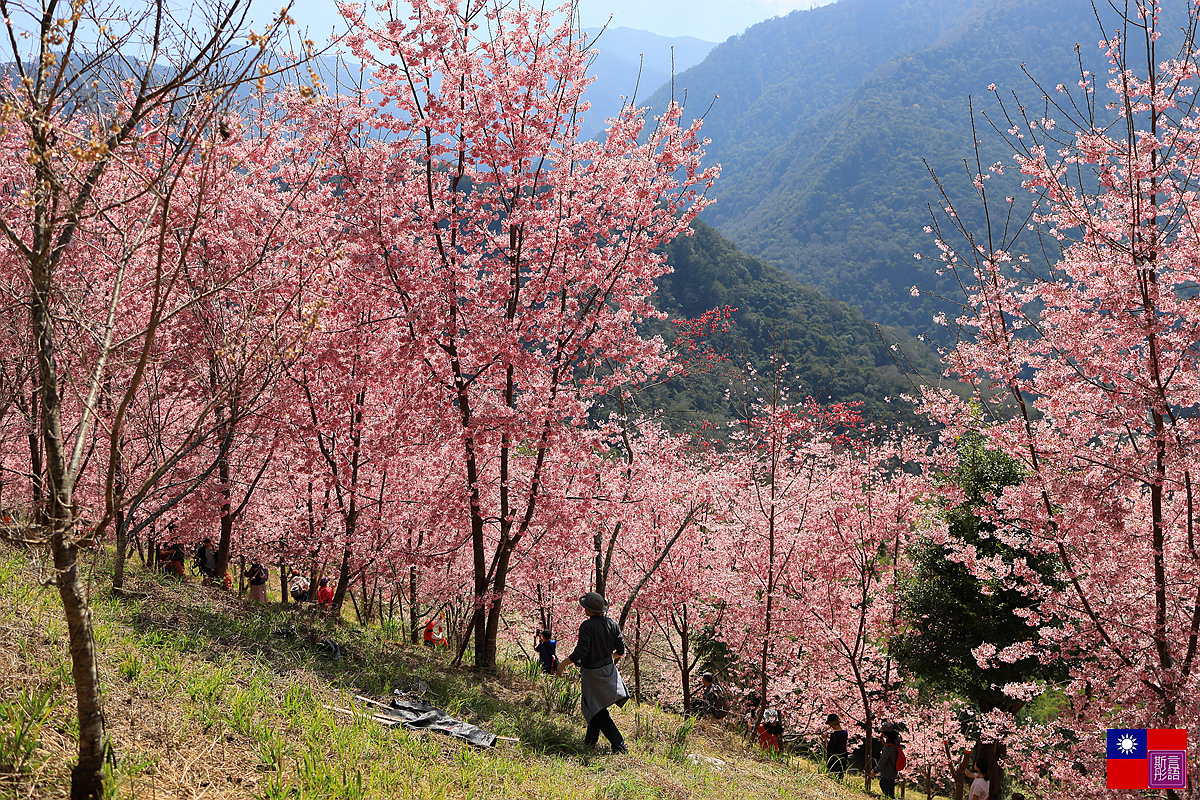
x=980, y=786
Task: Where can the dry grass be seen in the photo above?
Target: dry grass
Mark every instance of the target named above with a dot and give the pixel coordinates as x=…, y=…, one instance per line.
x=204, y=700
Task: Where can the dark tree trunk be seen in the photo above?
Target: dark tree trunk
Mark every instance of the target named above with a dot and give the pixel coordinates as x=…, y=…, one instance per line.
x=119, y=520
x=685, y=643
x=87, y=777
x=637, y=657
x=36, y=467
x=339, y=594
x=490, y=639
x=414, y=620
x=224, y=474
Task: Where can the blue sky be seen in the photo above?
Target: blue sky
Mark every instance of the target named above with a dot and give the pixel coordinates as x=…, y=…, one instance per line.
x=712, y=20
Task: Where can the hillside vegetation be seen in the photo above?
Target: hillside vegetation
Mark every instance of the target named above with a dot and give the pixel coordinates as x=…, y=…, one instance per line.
x=834, y=353
x=206, y=700
x=826, y=121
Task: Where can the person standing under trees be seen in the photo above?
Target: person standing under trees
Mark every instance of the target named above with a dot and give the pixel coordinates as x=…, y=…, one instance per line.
x=836, y=746
x=596, y=654
x=981, y=787
x=324, y=593
x=712, y=698
x=545, y=649
x=889, y=762
x=206, y=559
x=257, y=575
x=175, y=559
x=770, y=731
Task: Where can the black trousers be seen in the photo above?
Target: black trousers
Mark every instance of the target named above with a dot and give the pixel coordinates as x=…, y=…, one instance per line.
x=887, y=786
x=603, y=723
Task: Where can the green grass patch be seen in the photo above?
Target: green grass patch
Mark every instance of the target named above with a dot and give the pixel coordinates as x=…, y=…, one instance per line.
x=207, y=695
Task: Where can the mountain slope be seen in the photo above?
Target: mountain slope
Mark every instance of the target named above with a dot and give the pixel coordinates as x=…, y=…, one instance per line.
x=827, y=118
x=834, y=353
x=210, y=696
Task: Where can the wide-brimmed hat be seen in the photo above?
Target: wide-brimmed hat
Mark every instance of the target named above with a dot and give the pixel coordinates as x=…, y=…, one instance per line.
x=594, y=602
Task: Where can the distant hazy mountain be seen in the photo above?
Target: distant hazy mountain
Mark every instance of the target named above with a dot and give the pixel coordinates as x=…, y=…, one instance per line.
x=824, y=117
x=632, y=61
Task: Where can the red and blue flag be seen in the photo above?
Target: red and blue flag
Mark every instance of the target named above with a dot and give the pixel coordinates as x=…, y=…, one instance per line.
x=1141, y=758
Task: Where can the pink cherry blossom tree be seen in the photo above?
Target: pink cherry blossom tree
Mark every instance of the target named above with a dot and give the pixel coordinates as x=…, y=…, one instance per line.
x=1094, y=349
x=517, y=254
x=89, y=145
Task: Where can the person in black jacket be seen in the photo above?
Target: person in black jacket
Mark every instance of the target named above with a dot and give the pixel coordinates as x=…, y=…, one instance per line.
x=836, y=747
x=206, y=559
x=712, y=698
x=600, y=647
x=546, y=650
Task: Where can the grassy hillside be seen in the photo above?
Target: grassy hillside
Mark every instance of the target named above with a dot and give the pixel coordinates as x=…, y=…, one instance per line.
x=204, y=699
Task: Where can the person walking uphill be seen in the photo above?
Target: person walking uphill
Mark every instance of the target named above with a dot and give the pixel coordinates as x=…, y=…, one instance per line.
x=600, y=647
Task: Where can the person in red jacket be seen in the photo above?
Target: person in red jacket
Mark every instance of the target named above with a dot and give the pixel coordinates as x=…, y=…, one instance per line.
x=435, y=633
x=770, y=730
x=324, y=593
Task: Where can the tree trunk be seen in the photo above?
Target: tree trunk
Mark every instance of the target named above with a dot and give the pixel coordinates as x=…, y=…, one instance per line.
x=224, y=474
x=637, y=657
x=414, y=620
x=368, y=600
x=684, y=671
x=121, y=526
x=119, y=519
x=994, y=752
x=599, y=579
x=487, y=643
x=314, y=576
x=88, y=774
x=339, y=594
x=122, y=549
x=36, y=467
x=87, y=777
x=543, y=617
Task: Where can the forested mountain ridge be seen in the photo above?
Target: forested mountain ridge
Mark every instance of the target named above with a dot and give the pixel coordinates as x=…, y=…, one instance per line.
x=833, y=352
x=825, y=121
